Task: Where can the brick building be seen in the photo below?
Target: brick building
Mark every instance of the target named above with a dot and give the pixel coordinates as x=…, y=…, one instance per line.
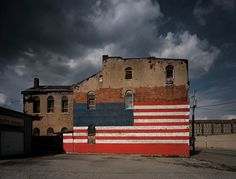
x=134, y=105
x=52, y=104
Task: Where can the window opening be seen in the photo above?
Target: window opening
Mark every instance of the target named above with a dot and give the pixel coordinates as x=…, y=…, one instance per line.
x=50, y=131
x=64, y=104
x=64, y=130
x=50, y=104
x=36, y=132
x=169, y=74
x=91, y=134
x=129, y=100
x=91, y=100
x=128, y=73
x=36, y=105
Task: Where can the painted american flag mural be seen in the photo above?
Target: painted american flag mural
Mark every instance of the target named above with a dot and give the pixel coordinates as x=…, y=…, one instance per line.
x=159, y=128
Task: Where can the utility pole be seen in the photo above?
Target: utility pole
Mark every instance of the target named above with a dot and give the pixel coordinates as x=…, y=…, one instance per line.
x=194, y=105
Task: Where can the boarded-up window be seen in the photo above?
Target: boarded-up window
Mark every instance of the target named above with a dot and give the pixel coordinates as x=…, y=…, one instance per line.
x=91, y=100
x=64, y=104
x=36, y=105
x=128, y=73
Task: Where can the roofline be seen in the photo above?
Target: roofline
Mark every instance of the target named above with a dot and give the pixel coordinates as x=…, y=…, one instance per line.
x=88, y=78
x=106, y=57
x=10, y=112
x=47, y=89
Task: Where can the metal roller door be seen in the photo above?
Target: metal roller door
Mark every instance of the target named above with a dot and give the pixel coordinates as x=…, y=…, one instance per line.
x=12, y=143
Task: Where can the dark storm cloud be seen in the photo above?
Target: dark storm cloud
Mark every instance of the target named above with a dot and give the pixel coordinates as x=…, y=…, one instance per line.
x=44, y=25
x=62, y=42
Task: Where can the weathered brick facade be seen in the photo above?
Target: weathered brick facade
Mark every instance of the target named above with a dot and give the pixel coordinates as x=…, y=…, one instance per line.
x=137, y=105
x=57, y=120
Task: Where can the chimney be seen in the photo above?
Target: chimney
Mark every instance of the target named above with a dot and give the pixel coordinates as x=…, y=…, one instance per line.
x=36, y=82
x=104, y=57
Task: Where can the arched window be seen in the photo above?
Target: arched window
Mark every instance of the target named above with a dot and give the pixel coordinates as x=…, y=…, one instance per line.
x=36, y=132
x=64, y=104
x=169, y=74
x=129, y=100
x=128, y=73
x=91, y=100
x=64, y=129
x=36, y=105
x=50, y=104
x=50, y=131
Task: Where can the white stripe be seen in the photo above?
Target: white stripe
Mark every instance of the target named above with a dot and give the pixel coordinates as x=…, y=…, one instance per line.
x=80, y=140
x=160, y=106
x=142, y=141
x=142, y=134
x=159, y=120
x=140, y=127
x=67, y=134
x=160, y=113
x=67, y=140
x=82, y=128
x=80, y=134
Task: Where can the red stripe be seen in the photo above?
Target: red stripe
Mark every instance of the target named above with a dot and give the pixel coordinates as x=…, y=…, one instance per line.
x=148, y=149
x=162, y=110
x=142, y=138
x=161, y=124
x=67, y=137
x=142, y=131
x=80, y=137
x=163, y=117
x=177, y=120
x=162, y=103
x=80, y=130
x=68, y=147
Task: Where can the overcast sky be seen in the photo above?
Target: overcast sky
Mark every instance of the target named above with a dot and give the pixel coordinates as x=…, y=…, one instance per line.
x=62, y=42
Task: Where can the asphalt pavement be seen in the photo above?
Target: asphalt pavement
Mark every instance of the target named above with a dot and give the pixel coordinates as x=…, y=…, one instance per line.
x=201, y=165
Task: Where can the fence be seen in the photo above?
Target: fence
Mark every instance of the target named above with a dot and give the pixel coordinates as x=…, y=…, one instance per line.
x=213, y=127
x=47, y=144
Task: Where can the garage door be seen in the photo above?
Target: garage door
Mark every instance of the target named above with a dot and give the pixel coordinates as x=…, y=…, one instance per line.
x=12, y=143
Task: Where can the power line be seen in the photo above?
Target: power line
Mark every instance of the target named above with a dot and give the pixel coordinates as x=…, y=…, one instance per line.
x=216, y=110
x=219, y=104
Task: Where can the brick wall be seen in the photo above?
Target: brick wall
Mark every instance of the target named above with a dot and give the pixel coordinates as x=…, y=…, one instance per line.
x=142, y=94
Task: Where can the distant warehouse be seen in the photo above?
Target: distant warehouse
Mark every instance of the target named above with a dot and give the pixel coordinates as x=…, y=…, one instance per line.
x=133, y=105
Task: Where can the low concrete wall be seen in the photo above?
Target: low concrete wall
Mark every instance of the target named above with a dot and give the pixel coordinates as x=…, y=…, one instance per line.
x=217, y=141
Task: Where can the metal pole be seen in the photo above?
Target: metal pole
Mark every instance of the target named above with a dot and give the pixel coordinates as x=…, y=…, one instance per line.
x=193, y=113
x=193, y=136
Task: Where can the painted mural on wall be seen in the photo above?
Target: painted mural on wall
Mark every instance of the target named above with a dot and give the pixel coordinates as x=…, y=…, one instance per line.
x=133, y=106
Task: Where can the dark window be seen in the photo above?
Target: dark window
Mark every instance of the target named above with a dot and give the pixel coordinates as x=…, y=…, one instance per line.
x=129, y=100
x=50, y=131
x=64, y=104
x=36, y=132
x=128, y=73
x=36, y=105
x=64, y=129
x=91, y=100
x=50, y=104
x=169, y=74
